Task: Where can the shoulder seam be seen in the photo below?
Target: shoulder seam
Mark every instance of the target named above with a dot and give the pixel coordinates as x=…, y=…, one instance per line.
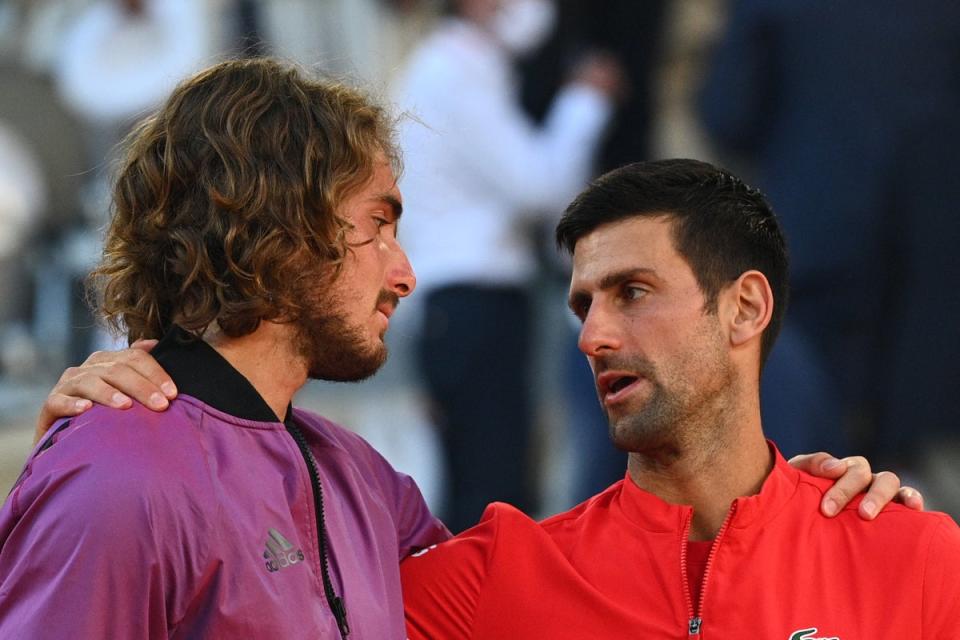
x=46, y=443
x=491, y=553
x=941, y=522
x=207, y=544
x=15, y=495
x=923, y=579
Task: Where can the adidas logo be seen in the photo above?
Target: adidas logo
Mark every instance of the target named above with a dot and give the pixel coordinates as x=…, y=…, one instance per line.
x=280, y=553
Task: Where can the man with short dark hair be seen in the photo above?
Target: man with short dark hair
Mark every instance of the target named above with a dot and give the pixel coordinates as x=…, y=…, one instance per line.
x=679, y=281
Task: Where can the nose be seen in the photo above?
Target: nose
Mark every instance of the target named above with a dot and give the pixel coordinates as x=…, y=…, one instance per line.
x=400, y=277
x=599, y=334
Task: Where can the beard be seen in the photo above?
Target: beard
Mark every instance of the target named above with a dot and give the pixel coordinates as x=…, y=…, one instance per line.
x=652, y=424
x=676, y=412
x=336, y=350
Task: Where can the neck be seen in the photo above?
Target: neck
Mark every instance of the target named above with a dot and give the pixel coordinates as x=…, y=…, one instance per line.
x=707, y=472
x=267, y=359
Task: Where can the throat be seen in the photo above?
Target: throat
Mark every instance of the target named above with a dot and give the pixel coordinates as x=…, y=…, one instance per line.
x=707, y=481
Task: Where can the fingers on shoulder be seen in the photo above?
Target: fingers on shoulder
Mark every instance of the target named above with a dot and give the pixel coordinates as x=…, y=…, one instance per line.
x=910, y=498
x=97, y=385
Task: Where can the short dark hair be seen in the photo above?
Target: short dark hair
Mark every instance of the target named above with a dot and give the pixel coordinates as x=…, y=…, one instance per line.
x=721, y=226
x=226, y=204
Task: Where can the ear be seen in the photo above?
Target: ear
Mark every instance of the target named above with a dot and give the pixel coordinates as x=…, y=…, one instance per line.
x=750, y=301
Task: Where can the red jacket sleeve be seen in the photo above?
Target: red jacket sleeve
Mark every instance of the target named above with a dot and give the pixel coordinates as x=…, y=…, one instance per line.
x=941, y=584
x=442, y=584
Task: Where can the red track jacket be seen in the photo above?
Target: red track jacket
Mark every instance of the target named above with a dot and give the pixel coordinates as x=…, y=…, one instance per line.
x=614, y=567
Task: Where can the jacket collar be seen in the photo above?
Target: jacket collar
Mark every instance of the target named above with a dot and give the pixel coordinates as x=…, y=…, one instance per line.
x=654, y=514
x=199, y=371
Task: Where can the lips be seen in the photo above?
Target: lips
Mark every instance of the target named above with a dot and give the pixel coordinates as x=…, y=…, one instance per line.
x=614, y=386
x=387, y=302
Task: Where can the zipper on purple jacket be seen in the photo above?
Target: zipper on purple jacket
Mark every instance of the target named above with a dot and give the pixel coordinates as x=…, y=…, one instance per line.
x=337, y=606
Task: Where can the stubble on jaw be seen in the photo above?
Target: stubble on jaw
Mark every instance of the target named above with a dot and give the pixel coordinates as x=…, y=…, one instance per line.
x=334, y=349
x=681, y=422
x=337, y=352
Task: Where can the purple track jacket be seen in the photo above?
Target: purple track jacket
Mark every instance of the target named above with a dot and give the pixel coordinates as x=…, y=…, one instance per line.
x=203, y=521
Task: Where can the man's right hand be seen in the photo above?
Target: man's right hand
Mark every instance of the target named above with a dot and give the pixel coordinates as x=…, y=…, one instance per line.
x=111, y=378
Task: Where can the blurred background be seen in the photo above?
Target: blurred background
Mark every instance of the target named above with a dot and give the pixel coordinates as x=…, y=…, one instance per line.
x=844, y=114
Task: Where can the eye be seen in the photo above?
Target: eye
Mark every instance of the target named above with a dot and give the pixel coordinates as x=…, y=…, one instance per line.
x=580, y=310
x=634, y=292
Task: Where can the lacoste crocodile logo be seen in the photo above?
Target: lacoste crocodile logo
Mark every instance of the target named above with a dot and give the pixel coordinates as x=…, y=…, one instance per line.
x=807, y=634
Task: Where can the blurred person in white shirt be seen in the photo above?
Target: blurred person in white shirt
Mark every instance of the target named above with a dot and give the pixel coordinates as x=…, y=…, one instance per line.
x=478, y=173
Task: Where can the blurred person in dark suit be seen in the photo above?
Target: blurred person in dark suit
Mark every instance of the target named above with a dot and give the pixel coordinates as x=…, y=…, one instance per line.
x=831, y=102
x=479, y=173
x=918, y=387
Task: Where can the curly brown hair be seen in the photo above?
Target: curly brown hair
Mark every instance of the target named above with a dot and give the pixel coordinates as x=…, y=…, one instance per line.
x=225, y=206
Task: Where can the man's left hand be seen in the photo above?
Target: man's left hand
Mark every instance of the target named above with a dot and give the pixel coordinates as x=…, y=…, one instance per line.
x=854, y=476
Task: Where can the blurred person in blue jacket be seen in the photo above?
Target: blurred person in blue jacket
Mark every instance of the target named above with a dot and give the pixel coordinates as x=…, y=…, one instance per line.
x=479, y=172
x=830, y=102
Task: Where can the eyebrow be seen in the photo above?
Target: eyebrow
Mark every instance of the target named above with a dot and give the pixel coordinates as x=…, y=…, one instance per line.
x=394, y=203
x=609, y=281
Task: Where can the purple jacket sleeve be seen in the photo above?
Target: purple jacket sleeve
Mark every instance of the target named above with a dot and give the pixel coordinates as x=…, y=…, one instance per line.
x=91, y=544
x=417, y=527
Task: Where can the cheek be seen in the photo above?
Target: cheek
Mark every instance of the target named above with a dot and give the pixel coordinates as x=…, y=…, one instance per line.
x=705, y=353
x=673, y=342
x=658, y=332
x=365, y=266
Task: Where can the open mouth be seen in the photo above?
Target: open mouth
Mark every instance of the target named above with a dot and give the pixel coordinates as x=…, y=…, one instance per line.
x=621, y=383
x=615, y=386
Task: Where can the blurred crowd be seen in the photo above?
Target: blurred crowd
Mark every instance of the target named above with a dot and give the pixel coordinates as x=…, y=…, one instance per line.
x=844, y=114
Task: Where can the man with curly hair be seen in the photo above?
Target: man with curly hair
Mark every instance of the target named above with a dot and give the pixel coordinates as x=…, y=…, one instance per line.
x=254, y=234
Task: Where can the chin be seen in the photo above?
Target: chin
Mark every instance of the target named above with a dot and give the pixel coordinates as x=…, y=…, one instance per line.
x=633, y=433
x=352, y=367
